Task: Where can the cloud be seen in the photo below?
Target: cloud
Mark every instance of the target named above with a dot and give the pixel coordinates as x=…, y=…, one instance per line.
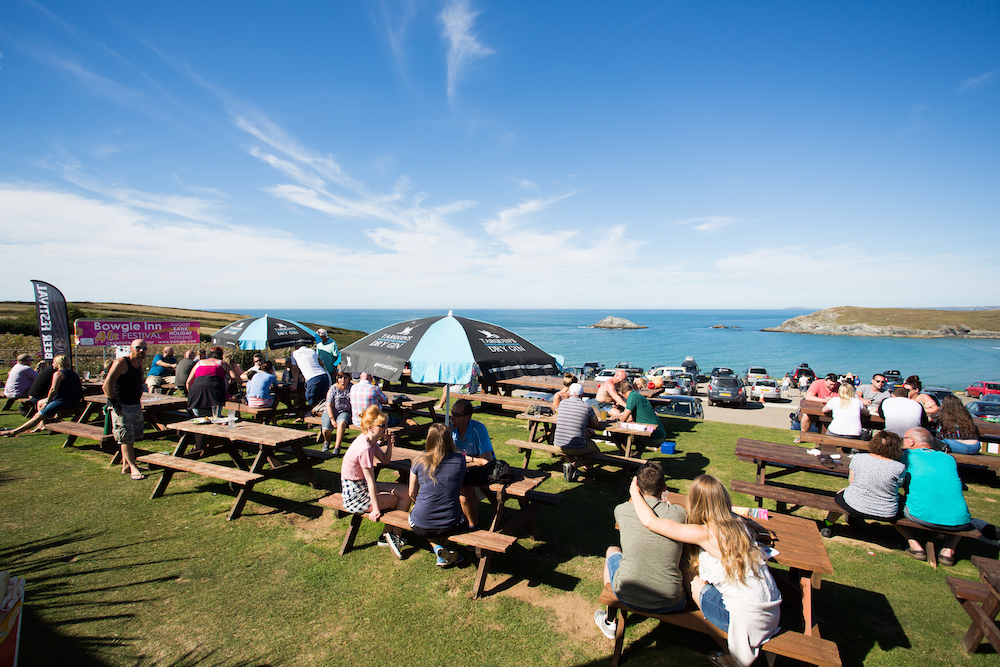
x=524, y=183
x=709, y=223
x=463, y=45
x=977, y=81
x=395, y=18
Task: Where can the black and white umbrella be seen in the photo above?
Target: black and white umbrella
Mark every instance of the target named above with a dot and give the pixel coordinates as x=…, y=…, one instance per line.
x=261, y=333
x=444, y=350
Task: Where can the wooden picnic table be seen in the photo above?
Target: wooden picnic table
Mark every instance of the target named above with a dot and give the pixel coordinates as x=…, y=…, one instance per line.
x=987, y=430
x=554, y=383
x=981, y=601
x=541, y=428
x=266, y=438
x=787, y=459
x=153, y=407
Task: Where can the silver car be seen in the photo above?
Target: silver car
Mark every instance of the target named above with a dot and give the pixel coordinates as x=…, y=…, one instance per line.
x=764, y=390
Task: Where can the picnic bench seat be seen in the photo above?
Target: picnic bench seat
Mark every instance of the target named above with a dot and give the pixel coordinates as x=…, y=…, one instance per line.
x=485, y=542
x=785, y=496
x=172, y=464
x=811, y=649
x=9, y=403
x=74, y=430
x=826, y=441
x=525, y=447
x=505, y=402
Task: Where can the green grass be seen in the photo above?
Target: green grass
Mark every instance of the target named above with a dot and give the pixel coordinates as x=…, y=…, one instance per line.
x=114, y=578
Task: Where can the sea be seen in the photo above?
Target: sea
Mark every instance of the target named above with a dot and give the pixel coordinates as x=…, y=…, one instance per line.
x=731, y=338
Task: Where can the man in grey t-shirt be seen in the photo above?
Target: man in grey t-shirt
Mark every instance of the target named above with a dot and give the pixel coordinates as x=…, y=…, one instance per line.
x=645, y=573
x=873, y=394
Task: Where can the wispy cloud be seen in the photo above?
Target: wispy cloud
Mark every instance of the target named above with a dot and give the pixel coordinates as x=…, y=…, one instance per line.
x=463, y=45
x=709, y=223
x=524, y=183
x=395, y=18
x=977, y=81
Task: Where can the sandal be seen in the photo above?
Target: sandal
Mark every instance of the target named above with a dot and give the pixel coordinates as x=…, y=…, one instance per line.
x=797, y=441
x=138, y=476
x=919, y=554
x=947, y=561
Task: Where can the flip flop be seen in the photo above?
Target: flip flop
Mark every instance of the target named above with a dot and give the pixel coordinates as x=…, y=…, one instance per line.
x=138, y=477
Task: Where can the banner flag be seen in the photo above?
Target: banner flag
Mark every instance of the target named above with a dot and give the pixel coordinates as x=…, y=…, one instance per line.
x=53, y=322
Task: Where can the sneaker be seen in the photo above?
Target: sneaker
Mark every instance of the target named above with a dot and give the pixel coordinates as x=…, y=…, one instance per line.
x=826, y=531
x=569, y=471
x=446, y=557
x=601, y=619
x=336, y=451
x=395, y=544
x=326, y=447
x=382, y=542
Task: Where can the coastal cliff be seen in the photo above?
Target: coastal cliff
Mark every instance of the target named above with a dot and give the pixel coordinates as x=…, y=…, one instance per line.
x=895, y=322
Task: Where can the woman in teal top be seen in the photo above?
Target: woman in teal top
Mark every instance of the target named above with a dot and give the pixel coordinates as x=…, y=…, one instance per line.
x=934, y=495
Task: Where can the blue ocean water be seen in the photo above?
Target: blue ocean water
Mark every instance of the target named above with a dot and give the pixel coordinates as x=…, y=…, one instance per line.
x=674, y=334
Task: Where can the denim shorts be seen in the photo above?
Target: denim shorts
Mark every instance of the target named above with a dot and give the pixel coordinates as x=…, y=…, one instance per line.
x=614, y=562
x=53, y=406
x=342, y=417
x=714, y=608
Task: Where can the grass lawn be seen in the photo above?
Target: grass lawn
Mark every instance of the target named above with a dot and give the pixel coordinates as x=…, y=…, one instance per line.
x=114, y=578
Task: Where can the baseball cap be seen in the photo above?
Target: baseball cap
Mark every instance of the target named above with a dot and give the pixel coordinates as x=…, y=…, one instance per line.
x=576, y=389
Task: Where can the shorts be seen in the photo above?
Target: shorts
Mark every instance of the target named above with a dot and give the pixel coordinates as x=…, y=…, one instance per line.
x=157, y=380
x=259, y=402
x=861, y=515
x=355, y=493
x=714, y=607
x=587, y=448
x=614, y=562
x=341, y=417
x=316, y=388
x=431, y=533
x=127, y=425
x=53, y=406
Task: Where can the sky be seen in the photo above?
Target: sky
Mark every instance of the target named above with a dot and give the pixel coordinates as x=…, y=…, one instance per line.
x=514, y=154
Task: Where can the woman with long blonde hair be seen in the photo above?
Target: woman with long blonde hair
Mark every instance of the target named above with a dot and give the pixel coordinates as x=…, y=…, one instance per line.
x=435, y=485
x=846, y=409
x=733, y=588
x=357, y=476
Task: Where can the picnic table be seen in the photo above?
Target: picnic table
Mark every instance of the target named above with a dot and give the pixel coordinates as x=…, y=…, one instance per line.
x=981, y=601
x=154, y=407
x=541, y=428
x=822, y=419
x=553, y=383
x=787, y=459
x=266, y=439
x=800, y=548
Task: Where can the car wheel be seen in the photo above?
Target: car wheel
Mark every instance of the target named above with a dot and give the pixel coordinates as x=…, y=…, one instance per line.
x=967, y=394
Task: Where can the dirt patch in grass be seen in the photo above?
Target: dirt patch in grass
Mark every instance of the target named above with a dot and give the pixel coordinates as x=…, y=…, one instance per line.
x=572, y=614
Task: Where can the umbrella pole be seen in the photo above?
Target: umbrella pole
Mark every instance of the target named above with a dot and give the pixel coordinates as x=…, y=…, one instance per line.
x=447, y=405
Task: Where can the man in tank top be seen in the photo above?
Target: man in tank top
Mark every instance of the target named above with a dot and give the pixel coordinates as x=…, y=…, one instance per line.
x=123, y=388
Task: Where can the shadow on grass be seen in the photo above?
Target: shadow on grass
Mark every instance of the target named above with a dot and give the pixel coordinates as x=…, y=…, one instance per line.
x=871, y=622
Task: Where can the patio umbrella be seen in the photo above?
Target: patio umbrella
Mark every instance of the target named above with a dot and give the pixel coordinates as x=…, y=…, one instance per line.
x=444, y=350
x=261, y=333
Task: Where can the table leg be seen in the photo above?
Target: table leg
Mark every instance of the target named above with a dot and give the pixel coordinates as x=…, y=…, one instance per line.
x=805, y=587
x=87, y=411
x=980, y=616
x=306, y=463
x=168, y=474
x=484, y=569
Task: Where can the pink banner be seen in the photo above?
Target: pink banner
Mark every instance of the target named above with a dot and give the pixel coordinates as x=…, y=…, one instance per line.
x=91, y=333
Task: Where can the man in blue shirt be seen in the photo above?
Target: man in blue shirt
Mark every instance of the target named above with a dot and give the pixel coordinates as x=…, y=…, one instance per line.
x=472, y=439
x=162, y=368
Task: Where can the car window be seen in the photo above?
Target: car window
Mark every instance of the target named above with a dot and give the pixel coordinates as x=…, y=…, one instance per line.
x=993, y=385
x=726, y=383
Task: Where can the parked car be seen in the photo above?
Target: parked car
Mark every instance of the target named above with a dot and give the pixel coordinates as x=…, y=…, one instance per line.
x=756, y=373
x=664, y=372
x=764, y=389
x=938, y=393
x=680, y=406
x=726, y=389
x=631, y=371
x=592, y=368
x=984, y=409
x=578, y=371
x=990, y=398
x=800, y=371
x=893, y=379
x=672, y=388
x=721, y=370
x=977, y=389
x=691, y=366
x=690, y=386
x=604, y=374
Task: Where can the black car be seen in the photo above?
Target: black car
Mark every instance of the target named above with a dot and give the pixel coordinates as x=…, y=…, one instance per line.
x=800, y=371
x=721, y=370
x=938, y=393
x=726, y=389
x=893, y=379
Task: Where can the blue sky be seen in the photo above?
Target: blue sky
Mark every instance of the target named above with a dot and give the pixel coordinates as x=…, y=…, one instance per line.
x=460, y=154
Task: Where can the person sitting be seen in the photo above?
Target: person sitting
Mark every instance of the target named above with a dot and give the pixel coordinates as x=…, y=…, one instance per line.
x=645, y=572
x=873, y=484
x=956, y=430
x=608, y=398
x=934, y=497
x=260, y=385
x=900, y=412
x=846, y=409
x=473, y=440
x=575, y=426
x=562, y=394
x=873, y=394
x=639, y=410
x=66, y=391
x=183, y=370
x=435, y=486
x=361, y=492
x=733, y=588
x=39, y=387
x=162, y=369
x=337, y=410
x=258, y=359
x=19, y=378
x=820, y=390
x=930, y=406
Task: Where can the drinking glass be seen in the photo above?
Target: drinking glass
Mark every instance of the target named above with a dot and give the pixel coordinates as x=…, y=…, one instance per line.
x=216, y=412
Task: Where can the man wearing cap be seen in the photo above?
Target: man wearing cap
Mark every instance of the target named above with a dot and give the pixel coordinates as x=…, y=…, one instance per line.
x=20, y=378
x=575, y=424
x=329, y=353
x=821, y=391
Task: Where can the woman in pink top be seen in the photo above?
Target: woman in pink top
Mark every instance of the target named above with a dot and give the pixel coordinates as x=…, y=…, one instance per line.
x=357, y=477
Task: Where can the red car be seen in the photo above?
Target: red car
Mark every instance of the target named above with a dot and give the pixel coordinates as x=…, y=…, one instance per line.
x=977, y=389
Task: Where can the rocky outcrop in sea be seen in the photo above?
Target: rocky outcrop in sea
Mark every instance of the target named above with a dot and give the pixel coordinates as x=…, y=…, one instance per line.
x=610, y=322
x=825, y=322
